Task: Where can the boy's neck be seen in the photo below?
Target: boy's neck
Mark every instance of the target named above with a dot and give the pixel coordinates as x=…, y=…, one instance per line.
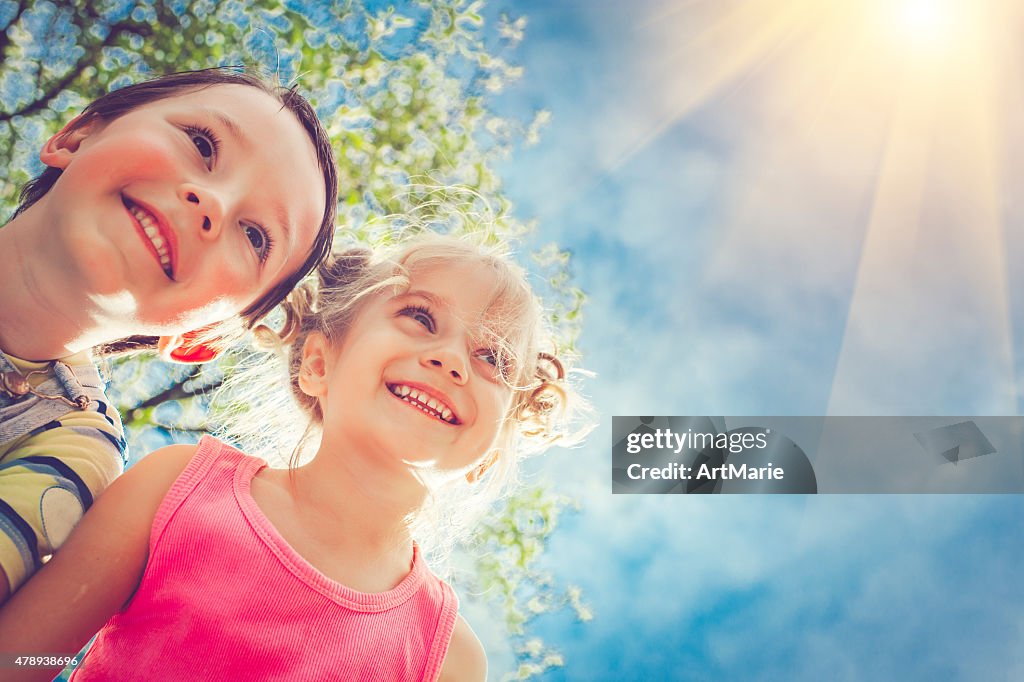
x=44, y=315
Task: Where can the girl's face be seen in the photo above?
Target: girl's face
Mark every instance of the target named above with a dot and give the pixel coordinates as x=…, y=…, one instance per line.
x=184, y=211
x=415, y=378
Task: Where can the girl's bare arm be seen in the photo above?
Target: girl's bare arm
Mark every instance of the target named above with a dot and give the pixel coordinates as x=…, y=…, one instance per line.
x=94, y=574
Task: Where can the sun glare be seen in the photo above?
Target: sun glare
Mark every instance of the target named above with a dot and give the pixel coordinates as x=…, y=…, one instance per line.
x=905, y=101
x=927, y=20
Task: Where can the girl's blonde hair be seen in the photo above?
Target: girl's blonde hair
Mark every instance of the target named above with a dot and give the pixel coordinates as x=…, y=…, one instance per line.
x=544, y=406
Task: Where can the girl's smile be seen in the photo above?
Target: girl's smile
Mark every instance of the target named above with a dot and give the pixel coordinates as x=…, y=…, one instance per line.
x=426, y=400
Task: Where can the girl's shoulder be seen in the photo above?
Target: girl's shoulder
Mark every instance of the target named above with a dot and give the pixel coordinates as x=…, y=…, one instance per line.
x=466, y=660
x=153, y=475
x=169, y=458
x=174, y=471
x=168, y=463
x=161, y=468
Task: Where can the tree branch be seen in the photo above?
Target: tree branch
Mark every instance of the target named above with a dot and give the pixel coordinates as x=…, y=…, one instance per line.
x=90, y=55
x=5, y=39
x=175, y=391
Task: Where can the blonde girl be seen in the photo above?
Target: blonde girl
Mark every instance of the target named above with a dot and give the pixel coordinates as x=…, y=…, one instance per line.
x=424, y=371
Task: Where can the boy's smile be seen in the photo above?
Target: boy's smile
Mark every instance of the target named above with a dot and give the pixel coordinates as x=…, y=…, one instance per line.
x=156, y=233
x=195, y=205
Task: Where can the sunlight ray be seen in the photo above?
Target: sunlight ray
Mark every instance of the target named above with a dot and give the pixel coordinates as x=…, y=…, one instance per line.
x=932, y=283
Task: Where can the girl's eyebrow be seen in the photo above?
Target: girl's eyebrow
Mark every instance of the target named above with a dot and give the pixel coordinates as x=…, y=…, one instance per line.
x=429, y=297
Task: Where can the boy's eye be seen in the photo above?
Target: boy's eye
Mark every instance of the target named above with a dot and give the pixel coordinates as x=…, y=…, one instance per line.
x=260, y=240
x=205, y=142
x=421, y=315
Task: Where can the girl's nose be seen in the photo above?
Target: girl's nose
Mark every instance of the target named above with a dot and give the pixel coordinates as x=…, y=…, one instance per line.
x=204, y=208
x=448, y=361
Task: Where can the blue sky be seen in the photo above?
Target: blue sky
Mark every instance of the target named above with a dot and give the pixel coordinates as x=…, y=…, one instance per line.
x=780, y=209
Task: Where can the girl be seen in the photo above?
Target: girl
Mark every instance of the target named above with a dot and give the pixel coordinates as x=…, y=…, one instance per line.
x=423, y=374
x=194, y=201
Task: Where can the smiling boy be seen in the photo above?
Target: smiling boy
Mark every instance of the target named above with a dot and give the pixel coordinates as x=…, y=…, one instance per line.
x=166, y=207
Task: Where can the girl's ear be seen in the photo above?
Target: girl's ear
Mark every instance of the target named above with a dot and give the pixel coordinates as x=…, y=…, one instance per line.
x=480, y=469
x=313, y=370
x=60, y=149
x=185, y=349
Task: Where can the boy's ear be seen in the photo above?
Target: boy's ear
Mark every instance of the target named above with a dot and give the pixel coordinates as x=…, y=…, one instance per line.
x=59, y=149
x=313, y=370
x=185, y=349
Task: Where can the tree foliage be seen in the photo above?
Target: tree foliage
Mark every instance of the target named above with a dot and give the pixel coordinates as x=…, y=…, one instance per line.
x=405, y=95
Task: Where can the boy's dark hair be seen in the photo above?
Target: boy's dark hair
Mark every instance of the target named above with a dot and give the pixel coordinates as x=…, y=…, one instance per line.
x=119, y=102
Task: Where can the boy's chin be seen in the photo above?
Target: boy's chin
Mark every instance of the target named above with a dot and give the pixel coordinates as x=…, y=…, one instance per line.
x=94, y=261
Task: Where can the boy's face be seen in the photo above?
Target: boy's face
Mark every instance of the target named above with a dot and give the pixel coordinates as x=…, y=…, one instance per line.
x=185, y=211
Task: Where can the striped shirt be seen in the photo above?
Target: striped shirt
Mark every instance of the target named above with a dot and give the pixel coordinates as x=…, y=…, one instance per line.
x=54, y=467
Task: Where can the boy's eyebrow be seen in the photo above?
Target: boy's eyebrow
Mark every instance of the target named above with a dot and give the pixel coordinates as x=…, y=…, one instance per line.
x=281, y=213
x=232, y=127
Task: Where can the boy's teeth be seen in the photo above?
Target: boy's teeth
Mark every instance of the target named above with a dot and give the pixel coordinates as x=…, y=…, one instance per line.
x=154, y=237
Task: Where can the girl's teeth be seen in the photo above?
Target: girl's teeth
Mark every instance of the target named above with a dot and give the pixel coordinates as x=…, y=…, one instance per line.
x=424, y=402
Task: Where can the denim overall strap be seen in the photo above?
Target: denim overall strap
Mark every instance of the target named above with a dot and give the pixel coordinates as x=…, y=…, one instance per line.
x=22, y=415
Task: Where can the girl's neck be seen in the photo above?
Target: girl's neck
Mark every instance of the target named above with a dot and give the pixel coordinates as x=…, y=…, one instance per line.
x=364, y=507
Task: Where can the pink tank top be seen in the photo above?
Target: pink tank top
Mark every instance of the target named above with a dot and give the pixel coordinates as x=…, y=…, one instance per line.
x=225, y=597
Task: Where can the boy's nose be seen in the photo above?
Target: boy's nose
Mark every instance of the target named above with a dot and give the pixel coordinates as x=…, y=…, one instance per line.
x=450, y=362
x=204, y=208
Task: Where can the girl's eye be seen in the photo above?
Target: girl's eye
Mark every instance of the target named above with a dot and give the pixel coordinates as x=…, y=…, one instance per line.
x=421, y=315
x=205, y=142
x=488, y=356
x=259, y=239
x=499, y=364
